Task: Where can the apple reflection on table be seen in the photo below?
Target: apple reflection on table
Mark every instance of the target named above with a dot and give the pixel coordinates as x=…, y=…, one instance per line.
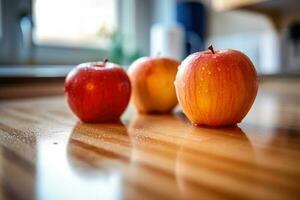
x=99, y=151
x=129, y=160
x=154, y=152
x=212, y=168
x=95, y=153
x=189, y=156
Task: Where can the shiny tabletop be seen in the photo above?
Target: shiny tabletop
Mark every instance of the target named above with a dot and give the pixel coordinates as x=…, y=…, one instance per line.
x=46, y=153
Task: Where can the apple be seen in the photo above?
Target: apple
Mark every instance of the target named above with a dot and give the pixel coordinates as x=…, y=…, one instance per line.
x=152, y=82
x=98, y=91
x=216, y=87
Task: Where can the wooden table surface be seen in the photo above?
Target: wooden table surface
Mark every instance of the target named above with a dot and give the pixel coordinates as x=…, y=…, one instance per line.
x=45, y=153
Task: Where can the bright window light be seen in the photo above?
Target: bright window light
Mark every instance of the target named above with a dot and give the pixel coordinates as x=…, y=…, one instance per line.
x=87, y=23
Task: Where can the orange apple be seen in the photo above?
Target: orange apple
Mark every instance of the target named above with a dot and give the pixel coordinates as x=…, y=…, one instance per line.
x=216, y=87
x=152, y=82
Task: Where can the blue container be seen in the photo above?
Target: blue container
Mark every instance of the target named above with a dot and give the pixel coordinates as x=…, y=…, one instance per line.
x=192, y=16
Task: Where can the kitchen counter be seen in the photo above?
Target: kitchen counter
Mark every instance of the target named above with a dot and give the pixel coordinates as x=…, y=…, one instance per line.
x=46, y=153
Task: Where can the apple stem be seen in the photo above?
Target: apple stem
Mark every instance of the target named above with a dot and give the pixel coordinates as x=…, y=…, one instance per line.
x=105, y=61
x=211, y=49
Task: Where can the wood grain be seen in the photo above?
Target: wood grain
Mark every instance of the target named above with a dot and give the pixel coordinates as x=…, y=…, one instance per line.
x=45, y=153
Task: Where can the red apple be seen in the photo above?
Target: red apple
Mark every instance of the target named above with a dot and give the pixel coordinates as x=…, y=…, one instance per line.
x=152, y=80
x=97, y=91
x=216, y=87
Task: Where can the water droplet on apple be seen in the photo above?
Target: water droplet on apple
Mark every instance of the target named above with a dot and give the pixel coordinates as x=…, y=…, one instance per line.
x=219, y=69
x=209, y=72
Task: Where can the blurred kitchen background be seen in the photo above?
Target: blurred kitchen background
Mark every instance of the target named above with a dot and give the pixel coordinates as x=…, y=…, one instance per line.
x=41, y=40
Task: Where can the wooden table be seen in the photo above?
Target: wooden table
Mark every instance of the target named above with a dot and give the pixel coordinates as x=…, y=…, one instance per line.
x=45, y=153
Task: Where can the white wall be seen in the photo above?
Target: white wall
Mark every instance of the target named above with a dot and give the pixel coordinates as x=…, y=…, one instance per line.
x=232, y=22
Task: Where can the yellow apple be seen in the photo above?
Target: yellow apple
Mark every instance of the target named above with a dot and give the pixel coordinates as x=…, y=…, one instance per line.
x=152, y=80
